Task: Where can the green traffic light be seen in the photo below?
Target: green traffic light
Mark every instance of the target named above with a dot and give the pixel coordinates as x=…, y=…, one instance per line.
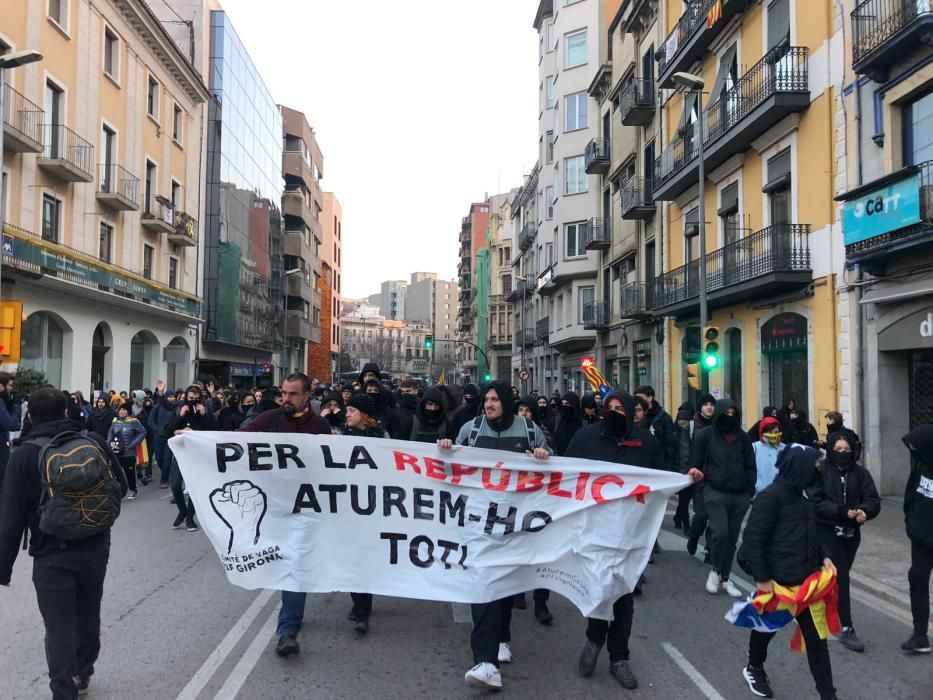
x=710, y=361
x=488, y=377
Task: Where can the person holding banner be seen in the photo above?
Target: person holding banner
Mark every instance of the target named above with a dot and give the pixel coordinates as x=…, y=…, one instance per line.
x=498, y=428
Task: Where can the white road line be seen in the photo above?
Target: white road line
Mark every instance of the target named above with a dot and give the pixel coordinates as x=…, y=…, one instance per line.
x=204, y=674
x=688, y=668
x=248, y=661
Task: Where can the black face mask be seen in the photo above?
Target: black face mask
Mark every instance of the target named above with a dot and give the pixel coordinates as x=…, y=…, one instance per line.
x=192, y=404
x=568, y=411
x=616, y=424
x=727, y=423
x=834, y=426
x=844, y=460
x=433, y=416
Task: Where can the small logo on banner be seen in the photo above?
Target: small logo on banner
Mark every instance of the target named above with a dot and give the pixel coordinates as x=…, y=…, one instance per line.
x=241, y=506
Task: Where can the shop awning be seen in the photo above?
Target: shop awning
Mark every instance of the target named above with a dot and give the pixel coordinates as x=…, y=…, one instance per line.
x=893, y=292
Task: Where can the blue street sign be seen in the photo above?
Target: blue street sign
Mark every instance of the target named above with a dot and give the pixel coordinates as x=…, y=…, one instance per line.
x=883, y=210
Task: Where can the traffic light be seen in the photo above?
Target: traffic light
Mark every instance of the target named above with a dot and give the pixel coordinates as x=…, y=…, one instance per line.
x=487, y=377
x=711, y=358
x=693, y=376
x=11, y=324
x=428, y=342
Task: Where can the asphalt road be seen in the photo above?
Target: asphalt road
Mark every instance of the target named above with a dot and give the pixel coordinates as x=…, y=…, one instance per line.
x=174, y=629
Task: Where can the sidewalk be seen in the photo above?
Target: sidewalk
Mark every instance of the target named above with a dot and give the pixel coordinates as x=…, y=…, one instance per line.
x=884, y=556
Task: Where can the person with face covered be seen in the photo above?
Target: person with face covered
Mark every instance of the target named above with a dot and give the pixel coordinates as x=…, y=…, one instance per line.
x=844, y=499
x=918, y=518
x=724, y=454
x=385, y=411
x=767, y=448
x=334, y=410
x=781, y=545
x=192, y=414
x=408, y=399
x=684, y=431
x=469, y=409
x=544, y=412
x=568, y=422
x=754, y=433
x=799, y=430
x=590, y=410
x=429, y=422
x=836, y=426
x=163, y=413
x=527, y=407
x=498, y=428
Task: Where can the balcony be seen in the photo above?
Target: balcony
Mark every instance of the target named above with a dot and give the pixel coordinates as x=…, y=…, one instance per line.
x=542, y=329
x=547, y=282
x=117, y=188
x=774, y=87
x=159, y=215
x=297, y=326
x=595, y=315
x=886, y=32
x=466, y=234
x=524, y=337
x=635, y=303
x=637, y=102
x=185, y=231
x=66, y=155
x=690, y=38
x=22, y=122
x=597, y=235
x=294, y=165
x=295, y=204
x=466, y=295
x=523, y=287
x=298, y=286
x=597, y=157
x=637, y=199
x=871, y=243
x=296, y=245
x=767, y=263
x=527, y=236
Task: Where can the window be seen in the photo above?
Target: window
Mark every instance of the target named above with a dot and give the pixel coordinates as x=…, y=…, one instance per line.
x=575, y=48
x=918, y=130
x=549, y=147
x=551, y=87
x=173, y=273
x=58, y=11
x=111, y=53
x=587, y=297
x=150, y=184
x=574, y=175
x=549, y=202
x=51, y=218
x=176, y=195
x=570, y=2
x=148, y=253
x=575, y=111
x=778, y=188
x=105, y=242
x=178, y=123
x=573, y=235
x=691, y=235
x=152, y=98
x=549, y=37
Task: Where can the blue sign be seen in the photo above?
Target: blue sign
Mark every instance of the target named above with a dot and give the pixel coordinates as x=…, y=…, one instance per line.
x=880, y=211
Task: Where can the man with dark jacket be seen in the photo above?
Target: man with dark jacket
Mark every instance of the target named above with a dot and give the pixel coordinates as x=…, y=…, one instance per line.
x=191, y=415
x=615, y=439
x=590, y=409
x=724, y=454
x=469, y=409
x=68, y=576
x=835, y=425
x=781, y=545
x=163, y=413
x=385, y=411
x=429, y=422
x=918, y=517
x=798, y=430
x=567, y=423
x=10, y=415
x=684, y=431
x=660, y=425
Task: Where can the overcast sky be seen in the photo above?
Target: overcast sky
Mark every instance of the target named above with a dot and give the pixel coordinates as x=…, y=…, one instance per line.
x=420, y=107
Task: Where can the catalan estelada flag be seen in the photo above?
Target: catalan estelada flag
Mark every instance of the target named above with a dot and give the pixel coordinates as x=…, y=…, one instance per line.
x=443, y=378
x=714, y=14
x=769, y=612
x=142, y=452
x=597, y=379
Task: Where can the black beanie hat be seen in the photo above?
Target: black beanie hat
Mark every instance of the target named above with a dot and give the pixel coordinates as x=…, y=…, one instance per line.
x=363, y=403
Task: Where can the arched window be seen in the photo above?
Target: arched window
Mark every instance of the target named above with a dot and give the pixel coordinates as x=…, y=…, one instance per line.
x=42, y=344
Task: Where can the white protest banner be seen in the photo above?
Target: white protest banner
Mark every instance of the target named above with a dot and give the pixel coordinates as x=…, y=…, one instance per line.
x=319, y=513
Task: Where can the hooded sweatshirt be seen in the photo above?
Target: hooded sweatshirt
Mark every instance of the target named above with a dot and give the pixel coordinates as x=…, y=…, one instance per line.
x=755, y=431
x=100, y=420
x=139, y=396
x=470, y=408
x=590, y=409
x=800, y=431
x=367, y=368
x=617, y=439
x=567, y=423
x=685, y=429
x=724, y=453
x=426, y=426
x=918, y=497
x=385, y=412
x=844, y=485
x=508, y=432
x=766, y=456
x=337, y=420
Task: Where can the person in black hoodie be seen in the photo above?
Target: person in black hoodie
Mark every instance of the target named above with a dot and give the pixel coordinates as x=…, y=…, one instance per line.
x=798, y=430
x=385, y=411
x=429, y=422
x=660, y=425
x=784, y=414
x=470, y=408
x=590, y=409
x=918, y=517
x=781, y=545
x=703, y=418
x=724, y=454
x=614, y=439
x=835, y=425
x=68, y=576
x=192, y=414
x=844, y=499
x=101, y=417
x=684, y=430
x=334, y=410
x=408, y=401
x=567, y=423
x=754, y=433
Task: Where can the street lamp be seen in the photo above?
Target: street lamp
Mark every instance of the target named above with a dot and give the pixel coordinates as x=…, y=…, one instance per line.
x=694, y=83
x=288, y=273
x=10, y=60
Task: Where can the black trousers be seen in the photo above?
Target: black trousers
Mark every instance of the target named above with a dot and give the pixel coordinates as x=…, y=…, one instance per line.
x=817, y=653
x=362, y=605
x=842, y=551
x=921, y=565
x=69, y=586
x=541, y=596
x=614, y=634
x=684, y=496
x=700, y=516
x=129, y=469
x=184, y=505
x=492, y=625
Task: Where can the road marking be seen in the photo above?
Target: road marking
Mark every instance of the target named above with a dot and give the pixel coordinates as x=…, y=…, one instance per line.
x=462, y=613
x=690, y=670
x=248, y=661
x=204, y=674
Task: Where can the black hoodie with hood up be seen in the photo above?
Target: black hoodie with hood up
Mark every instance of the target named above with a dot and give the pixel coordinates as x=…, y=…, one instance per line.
x=725, y=456
x=918, y=497
x=843, y=485
x=590, y=409
x=612, y=440
x=567, y=423
x=422, y=426
x=470, y=409
x=385, y=411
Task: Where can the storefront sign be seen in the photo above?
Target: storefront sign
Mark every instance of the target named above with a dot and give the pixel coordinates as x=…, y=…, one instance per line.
x=913, y=332
x=881, y=211
x=241, y=370
x=783, y=332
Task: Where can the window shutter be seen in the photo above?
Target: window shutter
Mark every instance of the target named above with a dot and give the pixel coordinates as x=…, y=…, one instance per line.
x=778, y=23
x=692, y=223
x=729, y=200
x=690, y=99
x=725, y=65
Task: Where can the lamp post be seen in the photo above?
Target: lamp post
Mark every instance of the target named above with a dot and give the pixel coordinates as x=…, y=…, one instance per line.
x=10, y=60
x=288, y=273
x=694, y=83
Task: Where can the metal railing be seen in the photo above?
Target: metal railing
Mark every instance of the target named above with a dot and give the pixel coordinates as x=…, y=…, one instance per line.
x=158, y=207
x=783, y=69
x=778, y=248
x=543, y=328
x=637, y=192
x=595, y=313
x=695, y=14
x=634, y=300
x=637, y=92
x=527, y=236
x=680, y=151
x=22, y=114
x=597, y=150
x=597, y=230
x=115, y=179
x=186, y=225
x=61, y=143
x=524, y=336
x=876, y=21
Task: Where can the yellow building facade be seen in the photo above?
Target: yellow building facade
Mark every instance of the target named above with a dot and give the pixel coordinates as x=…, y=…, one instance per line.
x=102, y=171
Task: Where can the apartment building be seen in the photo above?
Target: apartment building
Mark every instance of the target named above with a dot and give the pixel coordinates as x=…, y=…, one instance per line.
x=769, y=111
x=472, y=240
x=884, y=184
x=391, y=299
x=495, y=310
x=396, y=346
x=522, y=298
x=323, y=356
x=434, y=301
x=101, y=196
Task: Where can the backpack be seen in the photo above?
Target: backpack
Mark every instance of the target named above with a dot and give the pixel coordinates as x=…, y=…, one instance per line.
x=478, y=424
x=81, y=495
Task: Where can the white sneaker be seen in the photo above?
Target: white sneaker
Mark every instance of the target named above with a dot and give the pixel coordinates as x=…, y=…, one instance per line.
x=732, y=589
x=505, y=653
x=484, y=675
x=712, y=582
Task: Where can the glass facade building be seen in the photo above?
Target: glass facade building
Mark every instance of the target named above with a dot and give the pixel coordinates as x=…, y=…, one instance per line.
x=243, y=231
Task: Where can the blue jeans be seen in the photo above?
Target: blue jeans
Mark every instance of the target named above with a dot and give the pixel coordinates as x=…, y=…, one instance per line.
x=291, y=614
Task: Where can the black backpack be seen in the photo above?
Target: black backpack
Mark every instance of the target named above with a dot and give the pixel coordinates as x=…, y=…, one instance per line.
x=81, y=495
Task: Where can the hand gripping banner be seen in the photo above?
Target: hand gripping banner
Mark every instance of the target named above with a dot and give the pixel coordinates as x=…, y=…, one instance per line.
x=318, y=514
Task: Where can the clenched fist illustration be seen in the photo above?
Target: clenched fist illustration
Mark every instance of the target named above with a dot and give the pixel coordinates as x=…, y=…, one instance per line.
x=241, y=505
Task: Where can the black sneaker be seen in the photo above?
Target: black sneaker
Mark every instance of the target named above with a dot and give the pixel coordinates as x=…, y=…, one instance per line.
x=692, y=543
x=917, y=644
x=287, y=645
x=179, y=521
x=621, y=672
x=850, y=641
x=587, y=663
x=519, y=602
x=757, y=681
x=190, y=525
x=543, y=615
x=354, y=615
x=362, y=625
x=82, y=683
